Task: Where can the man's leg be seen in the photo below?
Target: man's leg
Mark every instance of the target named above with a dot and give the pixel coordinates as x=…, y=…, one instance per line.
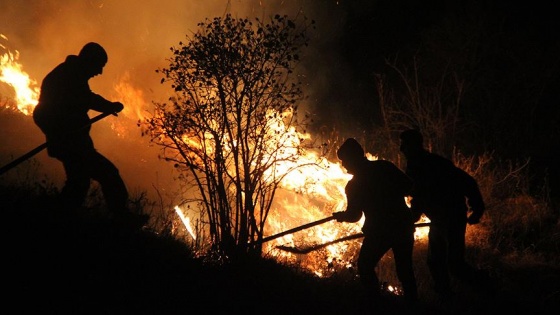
x=115, y=192
x=457, y=264
x=372, y=250
x=437, y=258
x=77, y=183
x=402, y=250
x=112, y=185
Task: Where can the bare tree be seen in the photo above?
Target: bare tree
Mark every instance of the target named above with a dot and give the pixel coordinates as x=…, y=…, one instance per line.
x=432, y=105
x=233, y=121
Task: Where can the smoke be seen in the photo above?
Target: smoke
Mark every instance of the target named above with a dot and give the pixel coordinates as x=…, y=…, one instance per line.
x=137, y=36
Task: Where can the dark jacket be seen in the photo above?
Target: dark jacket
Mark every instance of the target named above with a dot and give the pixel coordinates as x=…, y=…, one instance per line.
x=441, y=190
x=378, y=190
x=62, y=111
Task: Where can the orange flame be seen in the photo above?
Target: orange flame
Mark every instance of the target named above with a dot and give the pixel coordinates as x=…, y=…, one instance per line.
x=11, y=72
x=132, y=97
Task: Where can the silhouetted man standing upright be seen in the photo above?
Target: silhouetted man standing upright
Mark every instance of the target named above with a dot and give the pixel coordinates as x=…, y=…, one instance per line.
x=446, y=195
x=62, y=115
x=378, y=189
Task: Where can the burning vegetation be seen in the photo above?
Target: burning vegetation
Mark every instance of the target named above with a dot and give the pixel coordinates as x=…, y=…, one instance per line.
x=249, y=170
x=297, y=183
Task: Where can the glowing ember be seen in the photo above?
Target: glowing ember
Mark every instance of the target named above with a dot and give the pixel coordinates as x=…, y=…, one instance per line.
x=11, y=72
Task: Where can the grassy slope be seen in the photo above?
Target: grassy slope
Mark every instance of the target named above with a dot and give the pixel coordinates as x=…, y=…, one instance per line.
x=78, y=263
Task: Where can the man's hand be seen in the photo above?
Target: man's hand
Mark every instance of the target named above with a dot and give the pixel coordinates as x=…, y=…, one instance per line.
x=473, y=218
x=338, y=216
x=118, y=107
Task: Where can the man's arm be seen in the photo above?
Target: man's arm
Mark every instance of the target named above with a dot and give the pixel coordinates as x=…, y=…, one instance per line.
x=100, y=104
x=474, y=197
x=353, y=211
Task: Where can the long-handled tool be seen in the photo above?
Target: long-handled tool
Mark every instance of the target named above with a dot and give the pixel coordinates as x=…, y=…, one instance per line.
x=40, y=148
x=296, y=229
x=309, y=249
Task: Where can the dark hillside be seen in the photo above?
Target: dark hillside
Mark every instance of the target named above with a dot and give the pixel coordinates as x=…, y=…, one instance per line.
x=84, y=264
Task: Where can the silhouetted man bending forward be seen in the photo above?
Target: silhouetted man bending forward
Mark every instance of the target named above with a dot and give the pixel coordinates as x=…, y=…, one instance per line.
x=378, y=189
x=62, y=115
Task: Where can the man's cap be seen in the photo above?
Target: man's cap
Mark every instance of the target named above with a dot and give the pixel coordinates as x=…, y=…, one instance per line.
x=351, y=148
x=93, y=52
x=412, y=136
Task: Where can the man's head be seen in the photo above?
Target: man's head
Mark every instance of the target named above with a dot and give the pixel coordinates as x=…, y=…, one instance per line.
x=351, y=154
x=412, y=143
x=94, y=58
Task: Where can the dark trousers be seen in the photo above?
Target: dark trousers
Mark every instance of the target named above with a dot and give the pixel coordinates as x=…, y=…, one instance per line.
x=374, y=248
x=91, y=165
x=446, y=253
